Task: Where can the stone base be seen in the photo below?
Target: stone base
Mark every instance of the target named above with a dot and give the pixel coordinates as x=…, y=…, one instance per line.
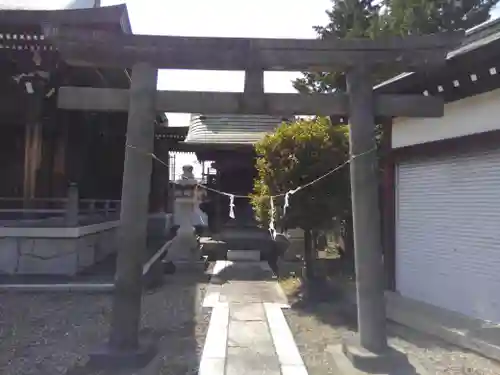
x=55, y=250
x=243, y=255
x=353, y=359
x=184, y=246
x=187, y=266
x=105, y=357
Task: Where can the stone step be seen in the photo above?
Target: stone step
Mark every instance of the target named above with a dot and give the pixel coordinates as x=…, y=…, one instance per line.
x=218, y=249
x=213, y=249
x=265, y=245
x=243, y=255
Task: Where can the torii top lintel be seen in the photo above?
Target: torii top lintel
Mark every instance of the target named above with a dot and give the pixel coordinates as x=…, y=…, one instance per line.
x=100, y=48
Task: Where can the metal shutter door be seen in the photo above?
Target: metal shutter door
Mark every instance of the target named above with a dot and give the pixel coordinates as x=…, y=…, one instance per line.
x=448, y=232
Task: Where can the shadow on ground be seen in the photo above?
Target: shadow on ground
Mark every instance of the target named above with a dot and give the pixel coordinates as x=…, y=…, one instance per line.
x=53, y=333
x=320, y=319
x=236, y=272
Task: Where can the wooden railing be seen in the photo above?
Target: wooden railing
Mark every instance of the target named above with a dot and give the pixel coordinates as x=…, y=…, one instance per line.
x=70, y=207
x=56, y=205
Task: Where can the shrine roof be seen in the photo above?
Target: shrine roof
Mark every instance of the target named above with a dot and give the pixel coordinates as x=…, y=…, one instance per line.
x=478, y=46
x=230, y=129
x=176, y=133
x=21, y=33
x=113, y=18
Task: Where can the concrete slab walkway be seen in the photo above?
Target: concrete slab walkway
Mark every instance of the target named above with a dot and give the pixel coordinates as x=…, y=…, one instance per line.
x=248, y=333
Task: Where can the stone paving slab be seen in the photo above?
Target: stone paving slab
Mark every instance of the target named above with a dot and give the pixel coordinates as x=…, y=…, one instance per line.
x=252, y=292
x=244, y=361
x=247, y=312
x=255, y=326
x=251, y=335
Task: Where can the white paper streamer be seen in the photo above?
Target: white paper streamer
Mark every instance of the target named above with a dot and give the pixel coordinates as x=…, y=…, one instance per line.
x=231, y=206
x=29, y=87
x=287, y=199
x=272, y=228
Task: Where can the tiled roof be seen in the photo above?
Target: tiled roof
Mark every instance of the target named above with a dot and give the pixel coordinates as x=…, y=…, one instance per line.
x=230, y=129
x=475, y=38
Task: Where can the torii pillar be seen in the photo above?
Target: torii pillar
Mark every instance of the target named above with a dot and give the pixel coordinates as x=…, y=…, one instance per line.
x=369, y=265
x=125, y=321
x=369, y=349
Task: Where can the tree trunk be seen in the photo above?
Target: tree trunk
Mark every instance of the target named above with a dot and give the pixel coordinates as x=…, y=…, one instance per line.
x=309, y=255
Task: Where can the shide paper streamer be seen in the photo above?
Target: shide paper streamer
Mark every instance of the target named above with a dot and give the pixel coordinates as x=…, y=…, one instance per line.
x=287, y=199
x=272, y=228
x=287, y=195
x=231, y=206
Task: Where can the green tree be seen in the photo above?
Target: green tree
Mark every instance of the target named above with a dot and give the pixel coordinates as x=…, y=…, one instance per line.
x=404, y=17
x=294, y=155
x=364, y=18
x=348, y=19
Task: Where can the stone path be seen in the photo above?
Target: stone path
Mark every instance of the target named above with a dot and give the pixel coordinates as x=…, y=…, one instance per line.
x=248, y=333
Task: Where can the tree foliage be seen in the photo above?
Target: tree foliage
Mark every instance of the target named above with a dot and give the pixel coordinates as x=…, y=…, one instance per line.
x=347, y=19
x=373, y=18
x=404, y=17
x=295, y=155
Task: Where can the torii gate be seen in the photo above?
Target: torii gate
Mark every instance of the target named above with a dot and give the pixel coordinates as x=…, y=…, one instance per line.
x=146, y=54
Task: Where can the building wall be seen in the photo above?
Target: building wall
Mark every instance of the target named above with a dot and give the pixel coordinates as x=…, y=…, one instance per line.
x=472, y=115
x=95, y=155
x=73, y=149
x=11, y=160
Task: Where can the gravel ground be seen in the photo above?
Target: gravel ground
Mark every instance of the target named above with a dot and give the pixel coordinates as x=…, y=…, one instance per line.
x=51, y=334
x=317, y=326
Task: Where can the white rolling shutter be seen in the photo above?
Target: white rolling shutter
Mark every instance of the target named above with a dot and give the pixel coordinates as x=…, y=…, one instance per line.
x=448, y=232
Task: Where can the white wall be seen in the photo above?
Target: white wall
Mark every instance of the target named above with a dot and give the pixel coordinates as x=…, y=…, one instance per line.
x=46, y=4
x=468, y=116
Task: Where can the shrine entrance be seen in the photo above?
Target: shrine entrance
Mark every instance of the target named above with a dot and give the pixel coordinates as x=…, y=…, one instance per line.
x=147, y=53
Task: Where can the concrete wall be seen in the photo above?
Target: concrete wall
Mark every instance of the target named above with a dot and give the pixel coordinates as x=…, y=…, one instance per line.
x=57, y=252
x=475, y=114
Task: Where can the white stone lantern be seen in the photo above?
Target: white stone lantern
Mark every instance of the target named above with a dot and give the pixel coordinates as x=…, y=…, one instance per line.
x=185, y=244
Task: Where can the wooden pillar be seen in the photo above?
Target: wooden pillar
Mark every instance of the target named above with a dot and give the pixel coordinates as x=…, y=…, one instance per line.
x=366, y=213
x=32, y=159
x=33, y=137
x=44, y=178
x=59, y=178
x=134, y=210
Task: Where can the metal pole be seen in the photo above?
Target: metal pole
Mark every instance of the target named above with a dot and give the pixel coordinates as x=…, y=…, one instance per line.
x=134, y=209
x=366, y=215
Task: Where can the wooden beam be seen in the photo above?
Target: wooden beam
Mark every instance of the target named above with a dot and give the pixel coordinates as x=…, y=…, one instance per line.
x=386, y=105
x=93, y=99
x=169, y=52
